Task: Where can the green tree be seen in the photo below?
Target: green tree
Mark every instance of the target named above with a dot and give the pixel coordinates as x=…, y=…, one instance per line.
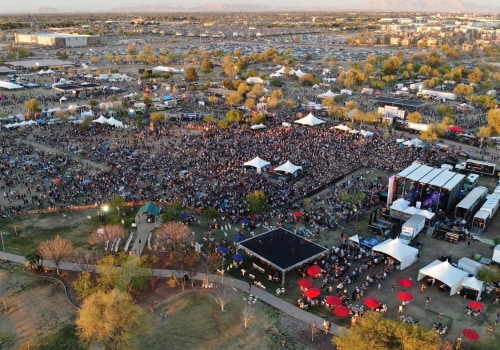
x=391, y=65
x=32, y=106
x=111, y=320
x=84, y=285
x=493, y=117
x=234, y=116
x=118, y=203
x=414, y=117
x=375, y=332
x=258, y=203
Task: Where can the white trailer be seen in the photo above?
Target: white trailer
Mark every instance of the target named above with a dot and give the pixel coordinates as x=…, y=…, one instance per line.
x=440, y=94
x=412, y=228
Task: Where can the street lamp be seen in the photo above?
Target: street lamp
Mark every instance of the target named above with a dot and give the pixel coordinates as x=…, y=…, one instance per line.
x=3, y=246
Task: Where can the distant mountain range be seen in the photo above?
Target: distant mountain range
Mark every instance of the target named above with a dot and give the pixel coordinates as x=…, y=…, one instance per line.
x=432, y=6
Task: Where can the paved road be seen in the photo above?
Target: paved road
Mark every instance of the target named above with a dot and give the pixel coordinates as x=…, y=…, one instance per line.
x=242, y=286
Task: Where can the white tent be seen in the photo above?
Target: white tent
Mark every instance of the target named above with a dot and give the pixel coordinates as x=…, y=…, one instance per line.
x=496, y=254
x=342, y=127
x=445, y=272
x=403, y=253
x=10, y=86
x=258, y=126
x=310, y=120
x=114, y=122
x=288, y=168
x=354, y=239
x=474, y=284
x=366, y=133
x=257, y=163
x=167, y=69
x=101, y=120
x=299, y=73
x=329, y=93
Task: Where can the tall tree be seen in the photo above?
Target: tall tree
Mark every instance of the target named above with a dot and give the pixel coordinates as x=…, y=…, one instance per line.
x=55, y=249
x=111, y=320
x=191, y=75
x=373, y=331
x=173, y=237
x=258, y=203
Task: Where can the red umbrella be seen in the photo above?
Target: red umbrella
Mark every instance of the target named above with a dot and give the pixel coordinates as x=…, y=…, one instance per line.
x=313, y=270
x=476, y=305
x=313, y=293
x=305, y=283
x=470, y=334
x=372, y=303
x=341, y=311
x=455, y=128
x=405, y=282
x=298, y=214
x=405, y=296
x=333, y=300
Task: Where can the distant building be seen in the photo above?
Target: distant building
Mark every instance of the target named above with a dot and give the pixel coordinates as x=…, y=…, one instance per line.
x=58, y=40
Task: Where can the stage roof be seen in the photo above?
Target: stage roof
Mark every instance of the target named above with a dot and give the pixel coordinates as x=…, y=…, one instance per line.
x=398, y=102
x=282, y=249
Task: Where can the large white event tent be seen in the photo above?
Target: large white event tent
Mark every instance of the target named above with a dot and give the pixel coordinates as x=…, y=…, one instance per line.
x=10, y=86
x=257, y=163
x=445, y=272
x=329, y=93
x=310, y=120
x=474, y=284
x=167, y=69
x=288, y=168
x=403, y=253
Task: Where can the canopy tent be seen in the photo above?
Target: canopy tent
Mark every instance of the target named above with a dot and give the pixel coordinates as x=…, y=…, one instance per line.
x=101, y=120
x=310, y=120
x=167, y=69
x=289, y=168
x=329, y=93
x=496, y=254
x=354, y=239
x=257, y=163
x=342, y=127
x=445, y=272
x=474, y=284
x=403, y=253
x=114, y=122
x=258, y=126
x=366, y=133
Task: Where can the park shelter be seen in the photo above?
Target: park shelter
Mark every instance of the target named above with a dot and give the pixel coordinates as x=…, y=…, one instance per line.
x=444, y=272
x=405, y=254
x=282, y=249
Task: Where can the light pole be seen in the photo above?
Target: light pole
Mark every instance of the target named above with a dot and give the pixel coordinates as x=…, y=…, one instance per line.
x=3, y=246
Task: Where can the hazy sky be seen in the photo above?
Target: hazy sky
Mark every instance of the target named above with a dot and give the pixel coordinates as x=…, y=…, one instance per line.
x=27, y=6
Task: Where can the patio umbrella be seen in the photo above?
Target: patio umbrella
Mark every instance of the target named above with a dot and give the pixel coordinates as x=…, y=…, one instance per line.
x=372, y=302
x=185, y=215
x=245, y=221
x=305, y=283
x=341, y=311
x=470, y=334
x=222, y=250
x=238, y=239
x=405, y=282
x=313, y=293
x=456, y=128
x=298, y=214
x=333, y=300
x=313, y=270
x=238, y=257
x=476, y=305
x=405, y=296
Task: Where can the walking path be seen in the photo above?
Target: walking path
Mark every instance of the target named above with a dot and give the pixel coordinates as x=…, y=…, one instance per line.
x=261, y=294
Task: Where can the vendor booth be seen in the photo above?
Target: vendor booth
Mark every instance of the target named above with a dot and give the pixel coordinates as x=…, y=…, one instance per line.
x=472, y=288
x=403, y=253
x=444, y=272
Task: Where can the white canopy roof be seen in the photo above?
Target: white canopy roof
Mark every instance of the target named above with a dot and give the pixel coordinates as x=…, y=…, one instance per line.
x=444, y=272
x=342, y=127
x=288, y=168
x=475, y=284
x=257, y=163
x=496, y=254
x=258, y=126
x=167, y=69
x=101, y=120
x=329, y=93
x=309, y=119
x=10, y=86
x=404, y=253
x=114, y=122
x=366, y=133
